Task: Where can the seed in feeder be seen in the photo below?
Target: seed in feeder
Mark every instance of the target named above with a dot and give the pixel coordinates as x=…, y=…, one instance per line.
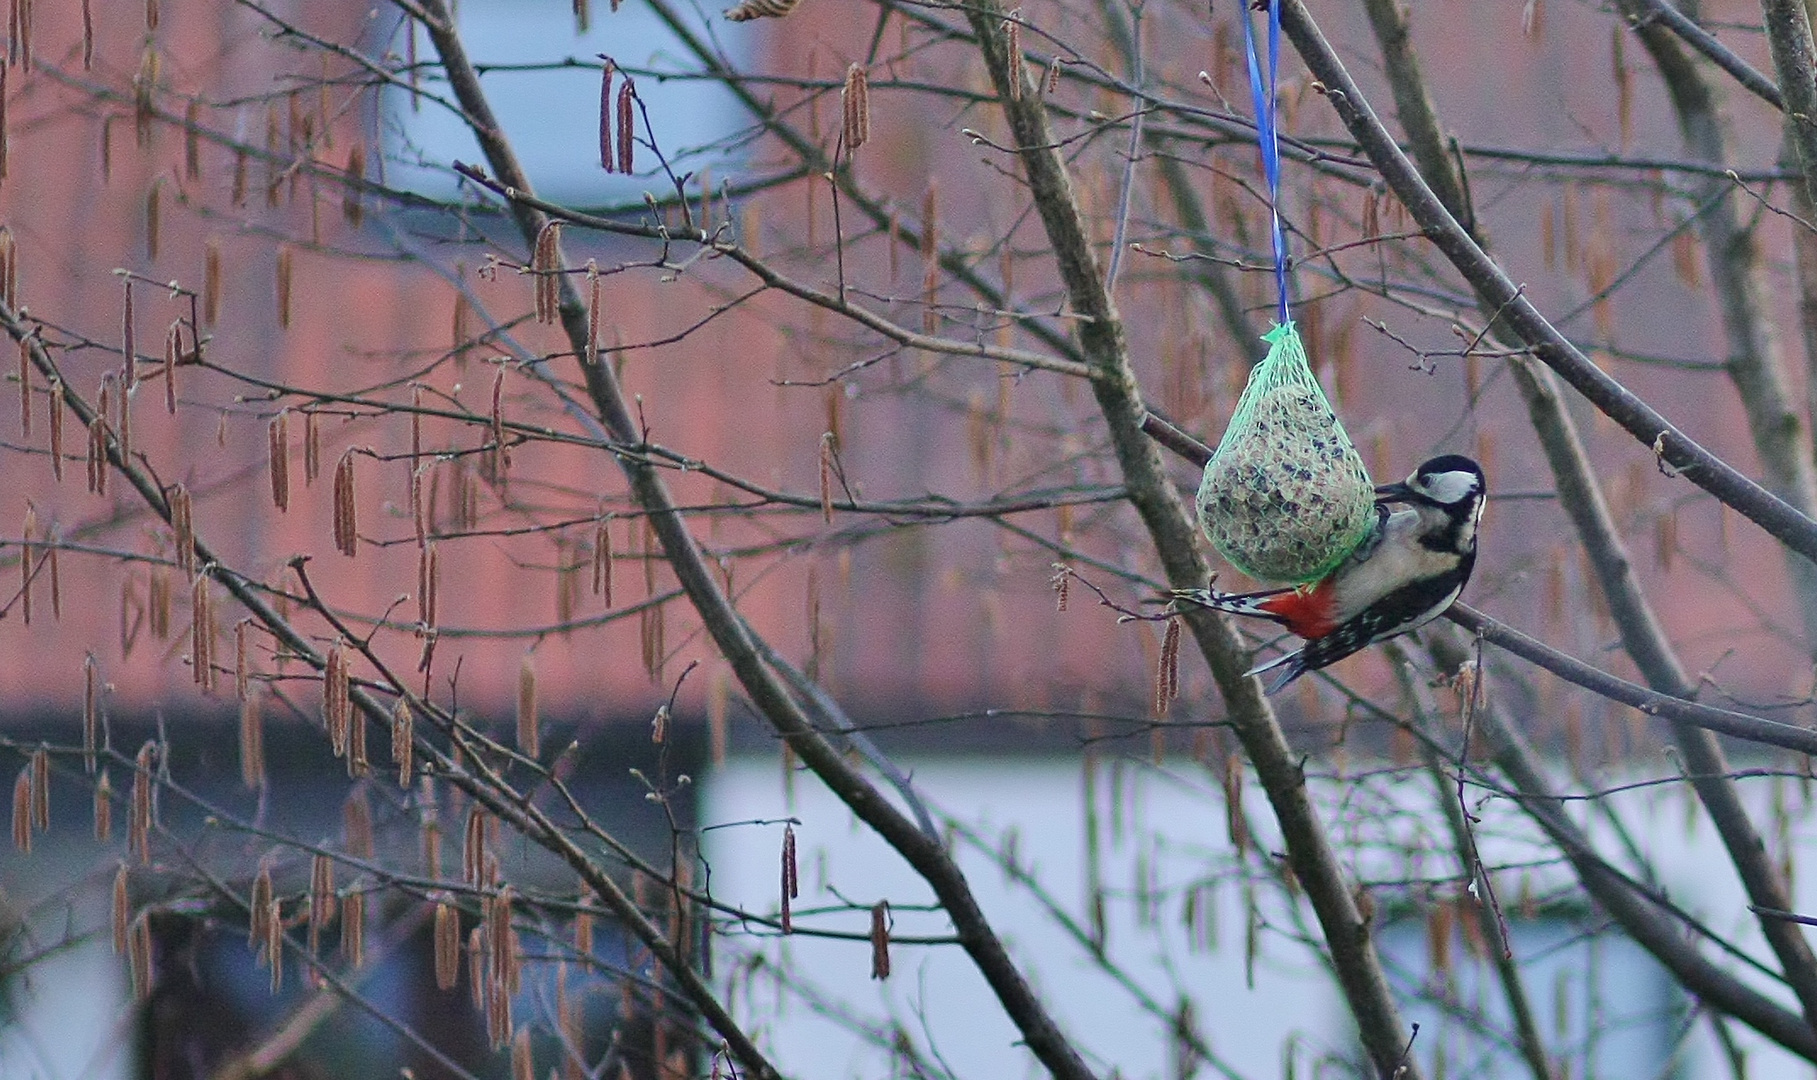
x=1286, y=495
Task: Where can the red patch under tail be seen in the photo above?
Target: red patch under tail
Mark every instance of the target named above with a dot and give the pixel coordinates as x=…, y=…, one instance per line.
x=1310, y=614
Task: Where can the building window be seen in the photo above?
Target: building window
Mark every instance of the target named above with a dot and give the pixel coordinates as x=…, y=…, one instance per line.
x=1599, y=1001
x=550, y=110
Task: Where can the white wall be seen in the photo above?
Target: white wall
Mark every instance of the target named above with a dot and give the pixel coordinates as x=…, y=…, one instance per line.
x=1173, y=824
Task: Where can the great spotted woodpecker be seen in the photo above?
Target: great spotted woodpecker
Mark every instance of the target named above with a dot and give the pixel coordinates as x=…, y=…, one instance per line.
x=1409, y=569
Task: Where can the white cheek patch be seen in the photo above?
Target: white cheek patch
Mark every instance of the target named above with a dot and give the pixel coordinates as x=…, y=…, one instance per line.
x=1449, y=488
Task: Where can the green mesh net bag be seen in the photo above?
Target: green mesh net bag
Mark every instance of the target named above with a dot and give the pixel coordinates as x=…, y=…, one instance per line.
x=1286, y=496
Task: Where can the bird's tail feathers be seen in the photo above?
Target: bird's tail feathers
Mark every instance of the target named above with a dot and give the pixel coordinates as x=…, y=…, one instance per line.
x=1294, y=664
x=1232, y=603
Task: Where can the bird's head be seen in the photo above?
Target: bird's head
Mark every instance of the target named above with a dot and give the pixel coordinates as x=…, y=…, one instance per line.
x=1450, y=485
x=1450, y=481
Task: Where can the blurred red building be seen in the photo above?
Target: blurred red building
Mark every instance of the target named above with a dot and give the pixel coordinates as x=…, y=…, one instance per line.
x=944, y=617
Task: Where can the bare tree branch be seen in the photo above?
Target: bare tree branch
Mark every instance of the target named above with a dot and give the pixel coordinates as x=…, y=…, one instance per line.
x=1158, y=502
x=1642, y=919
x=1750, y=77
x=1500, y=293
x=734, y=637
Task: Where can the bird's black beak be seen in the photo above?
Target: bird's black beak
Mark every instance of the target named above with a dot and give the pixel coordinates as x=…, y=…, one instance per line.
x=1398, y=492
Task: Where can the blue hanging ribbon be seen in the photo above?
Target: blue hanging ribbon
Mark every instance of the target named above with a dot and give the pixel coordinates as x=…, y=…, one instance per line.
x=1263, y=99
